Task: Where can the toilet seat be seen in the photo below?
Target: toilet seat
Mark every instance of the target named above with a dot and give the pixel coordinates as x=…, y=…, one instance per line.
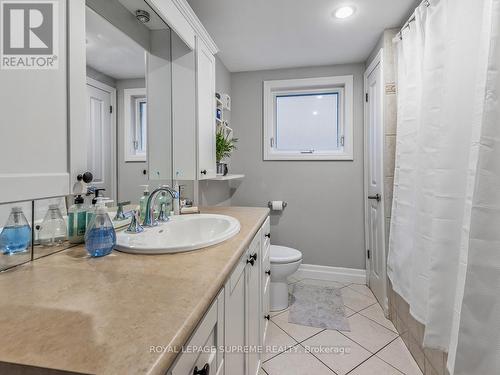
x=283, y=254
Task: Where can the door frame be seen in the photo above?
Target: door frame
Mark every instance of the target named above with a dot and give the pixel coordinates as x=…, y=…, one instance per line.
x=114, y=170
x=378, y=60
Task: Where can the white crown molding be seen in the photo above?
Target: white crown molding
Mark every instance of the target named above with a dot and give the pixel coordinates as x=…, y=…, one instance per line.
x=195, y=22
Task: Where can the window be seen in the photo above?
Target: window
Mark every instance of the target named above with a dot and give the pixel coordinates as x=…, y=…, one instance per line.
x=135, y=123
x=308, y=119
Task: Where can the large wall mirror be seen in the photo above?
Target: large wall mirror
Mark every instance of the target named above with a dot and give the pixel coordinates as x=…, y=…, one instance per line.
x=129, y=98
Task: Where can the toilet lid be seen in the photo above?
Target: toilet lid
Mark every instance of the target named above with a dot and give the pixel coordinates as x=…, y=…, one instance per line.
x=283, y=254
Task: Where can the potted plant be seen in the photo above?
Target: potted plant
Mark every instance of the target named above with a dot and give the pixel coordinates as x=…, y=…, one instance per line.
x=224, y=146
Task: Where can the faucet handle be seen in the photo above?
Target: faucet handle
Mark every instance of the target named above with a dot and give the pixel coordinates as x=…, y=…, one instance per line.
x=134, y=226
x=119, y=212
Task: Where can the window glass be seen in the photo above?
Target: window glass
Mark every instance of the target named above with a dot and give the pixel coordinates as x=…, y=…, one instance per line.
x=307, y=122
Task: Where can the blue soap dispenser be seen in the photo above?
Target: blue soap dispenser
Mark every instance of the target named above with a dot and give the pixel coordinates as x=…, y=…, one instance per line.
x=100, y=238
x=15, y=237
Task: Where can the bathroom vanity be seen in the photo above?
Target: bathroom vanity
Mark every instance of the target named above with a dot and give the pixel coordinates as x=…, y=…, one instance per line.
x=133, y=314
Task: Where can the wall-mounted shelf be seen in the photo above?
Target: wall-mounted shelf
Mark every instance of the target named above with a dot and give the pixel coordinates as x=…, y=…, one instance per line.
x=228, y=177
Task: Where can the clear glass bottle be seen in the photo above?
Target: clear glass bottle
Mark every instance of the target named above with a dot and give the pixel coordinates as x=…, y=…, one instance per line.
x=15, y=237
x=100, y=238
x=53, y=228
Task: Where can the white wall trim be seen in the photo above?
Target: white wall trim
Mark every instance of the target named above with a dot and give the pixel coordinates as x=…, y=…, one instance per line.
x=128, y=96
x=343, y=84
x=341, y=274
x=195, y=22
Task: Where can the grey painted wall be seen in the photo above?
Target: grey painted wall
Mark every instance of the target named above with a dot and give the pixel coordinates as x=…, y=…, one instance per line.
x=325, y=215
x=218, y=193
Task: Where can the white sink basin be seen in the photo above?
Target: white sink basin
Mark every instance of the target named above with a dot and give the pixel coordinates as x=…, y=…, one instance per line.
x=180, y=233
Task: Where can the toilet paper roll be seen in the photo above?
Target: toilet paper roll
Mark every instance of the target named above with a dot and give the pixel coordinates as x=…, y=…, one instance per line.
x=277, y=205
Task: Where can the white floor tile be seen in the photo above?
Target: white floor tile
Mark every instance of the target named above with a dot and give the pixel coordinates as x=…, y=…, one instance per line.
x=294, y=278
x=355, y=300
x=296, y=362
x=363, y=289
x=369, y=334
x=375, y=366
x=297, y=331
x=337, y=351
x=274, y=313
x=277, y=341
x=397, y=355
x=348, y=311
x=375, y=312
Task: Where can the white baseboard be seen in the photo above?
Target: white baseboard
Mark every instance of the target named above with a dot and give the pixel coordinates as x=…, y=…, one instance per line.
x=340, y=274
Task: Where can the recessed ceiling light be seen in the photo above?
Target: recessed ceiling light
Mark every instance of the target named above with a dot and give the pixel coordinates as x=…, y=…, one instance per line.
x=344, y=12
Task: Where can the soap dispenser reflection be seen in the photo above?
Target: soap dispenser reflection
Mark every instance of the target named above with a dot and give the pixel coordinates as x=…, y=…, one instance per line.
x=53, y=228
x=15, y=237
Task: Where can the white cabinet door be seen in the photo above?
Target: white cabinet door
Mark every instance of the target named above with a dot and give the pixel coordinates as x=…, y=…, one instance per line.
x=266, y=277
x=33, y=103
x=235, y=319
x=205, y=83
x=209, y=336
x=253, y=299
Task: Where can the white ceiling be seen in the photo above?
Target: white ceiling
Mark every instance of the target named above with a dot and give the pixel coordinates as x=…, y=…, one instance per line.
x=269, y=34
x=112, y=52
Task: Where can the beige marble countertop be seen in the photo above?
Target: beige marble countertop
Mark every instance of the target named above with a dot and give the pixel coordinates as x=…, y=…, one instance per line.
x=101, y=316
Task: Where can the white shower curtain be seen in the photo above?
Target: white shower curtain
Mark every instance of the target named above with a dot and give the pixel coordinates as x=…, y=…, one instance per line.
x=441, y=75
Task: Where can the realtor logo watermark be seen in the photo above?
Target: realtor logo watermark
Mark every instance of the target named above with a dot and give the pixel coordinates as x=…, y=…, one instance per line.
x=29, y=34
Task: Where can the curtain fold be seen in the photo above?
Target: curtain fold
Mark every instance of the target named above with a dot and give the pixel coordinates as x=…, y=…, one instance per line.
x=477, y=339
x=437, y=228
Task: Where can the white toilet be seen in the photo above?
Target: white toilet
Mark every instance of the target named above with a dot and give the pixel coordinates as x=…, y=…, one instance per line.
x=284, y=262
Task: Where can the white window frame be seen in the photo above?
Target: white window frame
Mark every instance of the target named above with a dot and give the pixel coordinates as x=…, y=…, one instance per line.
x=342, y=84
x=131, y=99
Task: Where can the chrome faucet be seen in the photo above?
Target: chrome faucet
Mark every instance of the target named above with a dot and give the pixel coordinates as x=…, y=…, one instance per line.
x=149, y=219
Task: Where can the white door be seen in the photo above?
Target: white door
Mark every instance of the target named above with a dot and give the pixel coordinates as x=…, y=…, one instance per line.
x=100, y=139
x=374, y=180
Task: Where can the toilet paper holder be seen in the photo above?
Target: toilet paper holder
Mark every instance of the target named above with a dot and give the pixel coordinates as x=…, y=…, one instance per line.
x=270, y=204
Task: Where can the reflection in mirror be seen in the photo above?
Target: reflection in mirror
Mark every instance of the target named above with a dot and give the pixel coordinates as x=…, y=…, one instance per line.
x=128, y=98
x=15, y=234
x=50, y=227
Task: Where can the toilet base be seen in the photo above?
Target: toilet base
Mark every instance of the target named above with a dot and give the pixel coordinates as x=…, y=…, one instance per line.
x=279, y=296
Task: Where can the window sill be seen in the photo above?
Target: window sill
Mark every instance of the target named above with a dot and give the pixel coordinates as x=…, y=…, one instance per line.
x=270, y=156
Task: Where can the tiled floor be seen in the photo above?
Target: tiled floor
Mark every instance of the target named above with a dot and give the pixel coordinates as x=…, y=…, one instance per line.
x=372, y=347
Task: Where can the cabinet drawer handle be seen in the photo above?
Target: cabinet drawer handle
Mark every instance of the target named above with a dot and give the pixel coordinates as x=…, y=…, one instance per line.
x=204, y=371
x=267, y=317
x=251, y=261
x=253, y=256
x=268, y=235
x=204, y=171
x=268, y=272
